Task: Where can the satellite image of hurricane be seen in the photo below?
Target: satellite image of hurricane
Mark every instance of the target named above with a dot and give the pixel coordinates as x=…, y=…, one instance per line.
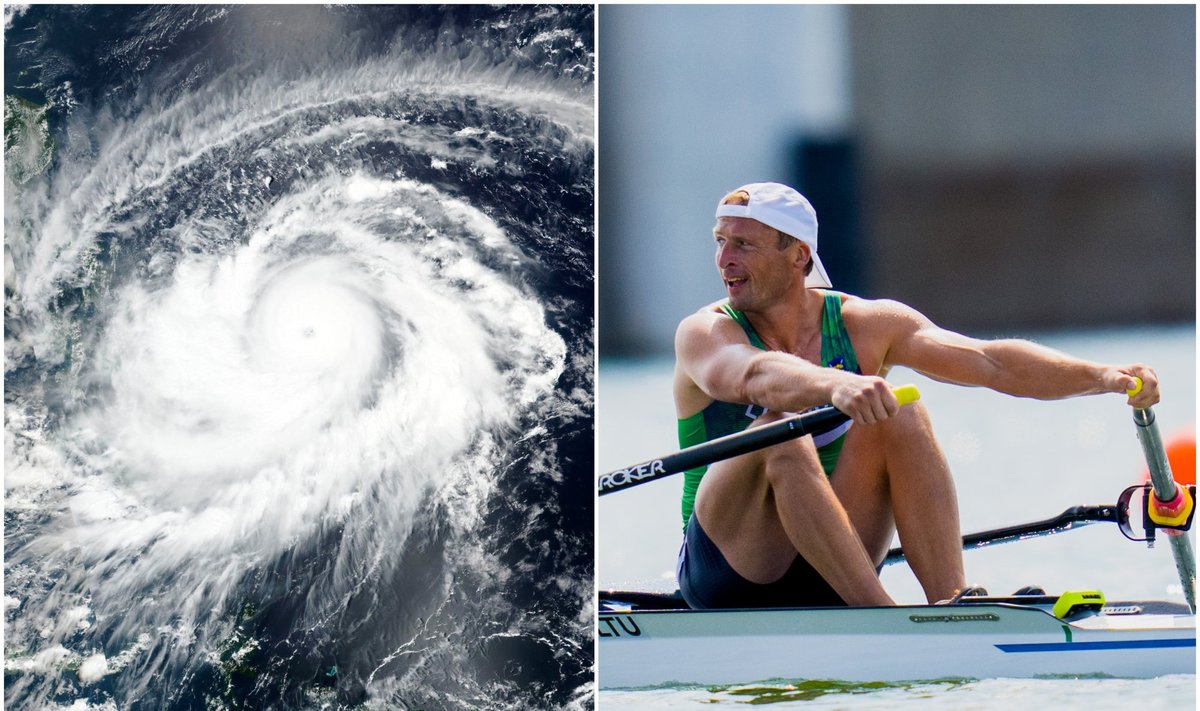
x=298, y=357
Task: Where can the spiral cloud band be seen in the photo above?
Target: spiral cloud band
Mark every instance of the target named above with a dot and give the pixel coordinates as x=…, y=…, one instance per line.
x=285, y=344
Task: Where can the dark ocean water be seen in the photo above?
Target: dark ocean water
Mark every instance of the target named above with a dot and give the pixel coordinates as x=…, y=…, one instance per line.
x=298, y=357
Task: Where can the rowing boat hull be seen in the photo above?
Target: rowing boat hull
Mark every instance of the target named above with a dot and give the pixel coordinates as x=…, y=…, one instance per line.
x=657, y=647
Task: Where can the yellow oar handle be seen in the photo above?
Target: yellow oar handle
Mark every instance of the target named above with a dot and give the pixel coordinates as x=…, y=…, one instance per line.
x=1137, y=388
x=906, y=394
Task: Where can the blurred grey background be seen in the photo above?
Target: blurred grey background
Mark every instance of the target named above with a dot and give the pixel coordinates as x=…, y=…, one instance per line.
x=1000, y=168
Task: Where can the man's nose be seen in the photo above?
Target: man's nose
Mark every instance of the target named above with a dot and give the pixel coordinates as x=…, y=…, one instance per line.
x=724, y=256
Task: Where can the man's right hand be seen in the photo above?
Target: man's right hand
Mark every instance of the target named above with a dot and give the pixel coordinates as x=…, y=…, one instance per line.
x=867, y=399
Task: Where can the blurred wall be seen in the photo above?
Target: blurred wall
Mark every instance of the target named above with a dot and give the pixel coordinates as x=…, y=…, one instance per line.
x=694, y=101
x=1015, y=166
x=1029, y=166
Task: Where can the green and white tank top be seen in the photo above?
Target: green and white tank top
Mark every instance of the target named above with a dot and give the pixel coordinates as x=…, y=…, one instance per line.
x=724, y=418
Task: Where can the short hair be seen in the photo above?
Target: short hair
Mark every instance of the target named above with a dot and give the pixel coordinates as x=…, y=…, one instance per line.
x=741, y=197
x=737, y=197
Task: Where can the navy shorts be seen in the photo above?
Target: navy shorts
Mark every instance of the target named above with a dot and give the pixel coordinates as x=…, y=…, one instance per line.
x=707, y=581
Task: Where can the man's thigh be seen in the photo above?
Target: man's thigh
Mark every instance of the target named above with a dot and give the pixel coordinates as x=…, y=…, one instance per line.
x=864, y=476
x=736, y=504
x=861, y=483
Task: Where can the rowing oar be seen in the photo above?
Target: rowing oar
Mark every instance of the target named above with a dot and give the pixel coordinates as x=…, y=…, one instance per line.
x=1171, y=501
x=821, y=419
x=1074, y=517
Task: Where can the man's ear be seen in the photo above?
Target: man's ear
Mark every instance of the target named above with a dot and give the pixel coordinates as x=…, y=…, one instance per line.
x=803, y=254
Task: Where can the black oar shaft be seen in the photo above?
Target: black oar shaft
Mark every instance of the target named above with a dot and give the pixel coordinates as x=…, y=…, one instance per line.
x=1073, y=517
x=814, y=422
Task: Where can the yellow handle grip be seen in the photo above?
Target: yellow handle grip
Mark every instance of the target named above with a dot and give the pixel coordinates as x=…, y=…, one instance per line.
x=1137, y=388
x=906, y=394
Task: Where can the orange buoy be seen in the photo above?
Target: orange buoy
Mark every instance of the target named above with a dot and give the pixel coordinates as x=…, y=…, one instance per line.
x=1181, y=455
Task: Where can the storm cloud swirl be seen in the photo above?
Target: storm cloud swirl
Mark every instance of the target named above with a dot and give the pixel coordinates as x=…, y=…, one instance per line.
x=299, y=358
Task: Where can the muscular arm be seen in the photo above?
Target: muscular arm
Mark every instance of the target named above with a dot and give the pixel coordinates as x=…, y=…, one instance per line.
x=1011, y=366
x=713, y=353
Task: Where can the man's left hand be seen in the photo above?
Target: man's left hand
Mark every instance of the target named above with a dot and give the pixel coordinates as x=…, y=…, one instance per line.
x=1121, y=380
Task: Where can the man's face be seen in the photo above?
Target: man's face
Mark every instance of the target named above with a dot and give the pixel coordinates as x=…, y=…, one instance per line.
x=756, y=272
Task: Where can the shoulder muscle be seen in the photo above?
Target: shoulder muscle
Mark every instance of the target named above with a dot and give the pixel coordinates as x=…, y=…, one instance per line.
x=712, y=350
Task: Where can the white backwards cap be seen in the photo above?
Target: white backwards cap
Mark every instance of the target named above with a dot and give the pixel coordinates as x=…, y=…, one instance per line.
x=776, y=205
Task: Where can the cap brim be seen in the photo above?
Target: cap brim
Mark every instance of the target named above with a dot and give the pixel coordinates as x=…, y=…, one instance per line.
x=817, y=277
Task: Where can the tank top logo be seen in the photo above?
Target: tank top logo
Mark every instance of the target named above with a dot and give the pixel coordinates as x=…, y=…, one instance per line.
x=754, y=411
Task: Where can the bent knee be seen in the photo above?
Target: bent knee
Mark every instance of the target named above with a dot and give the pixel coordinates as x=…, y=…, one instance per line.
x=797, y=458
x=911, y=423
x=913, y=417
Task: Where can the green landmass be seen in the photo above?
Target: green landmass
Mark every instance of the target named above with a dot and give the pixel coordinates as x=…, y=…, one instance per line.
x=28, y=145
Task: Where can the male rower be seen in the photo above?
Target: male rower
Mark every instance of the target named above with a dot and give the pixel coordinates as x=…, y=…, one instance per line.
x=808, y=522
